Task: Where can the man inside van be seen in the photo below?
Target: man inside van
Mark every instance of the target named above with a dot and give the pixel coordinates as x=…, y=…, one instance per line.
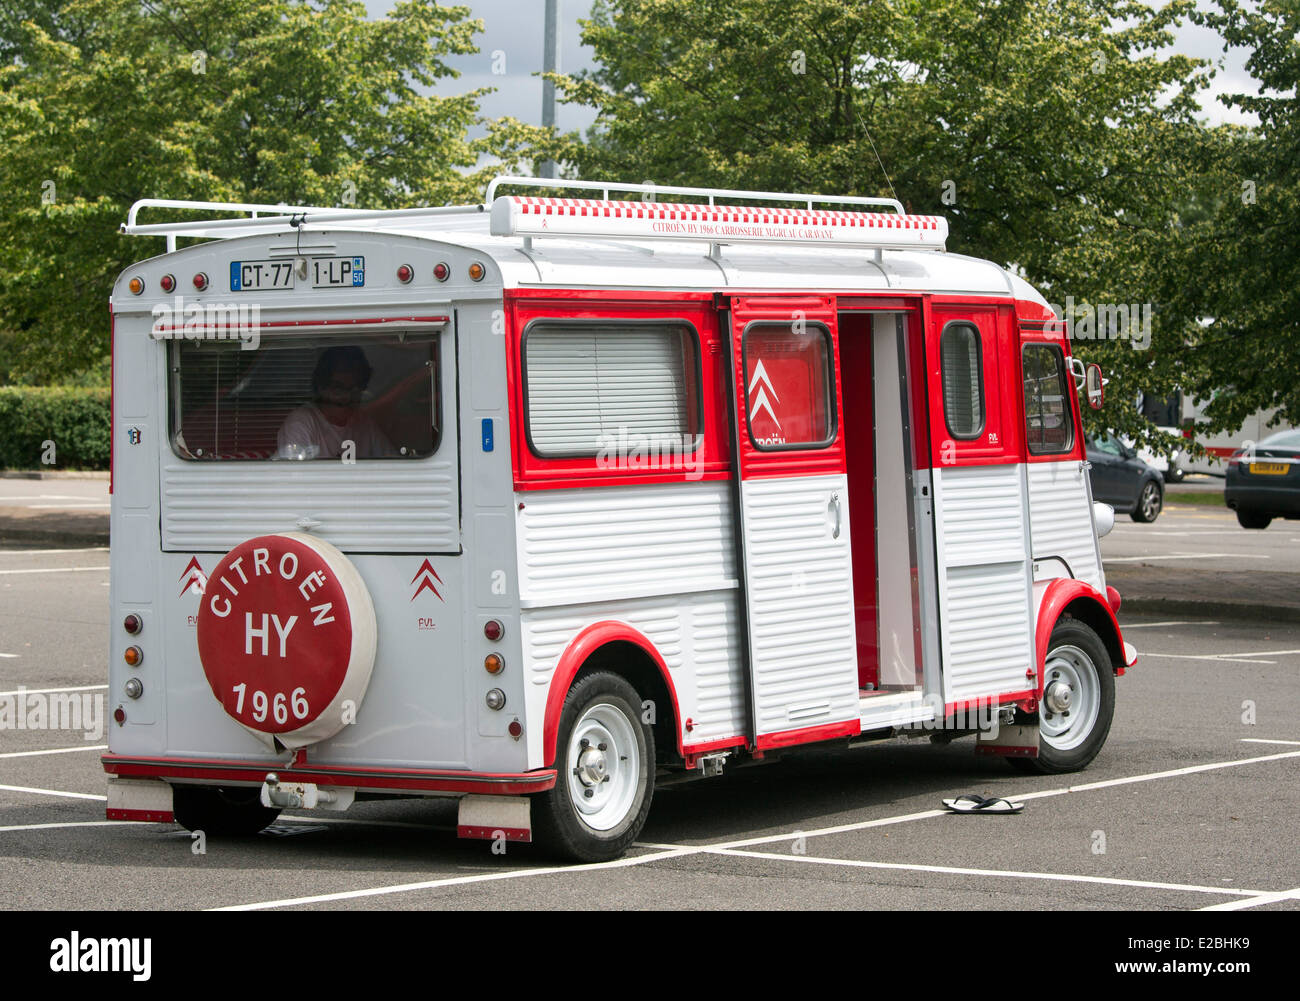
x=321, y=429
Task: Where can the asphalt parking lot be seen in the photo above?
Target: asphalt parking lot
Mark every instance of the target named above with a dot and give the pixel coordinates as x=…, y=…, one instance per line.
x=1192, y=803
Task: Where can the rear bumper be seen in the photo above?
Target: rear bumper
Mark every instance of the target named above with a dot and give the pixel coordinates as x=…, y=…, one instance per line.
x=1282, y=501
x=415, y=780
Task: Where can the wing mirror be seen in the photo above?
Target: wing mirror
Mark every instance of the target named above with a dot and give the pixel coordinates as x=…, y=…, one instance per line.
x=1096, y=386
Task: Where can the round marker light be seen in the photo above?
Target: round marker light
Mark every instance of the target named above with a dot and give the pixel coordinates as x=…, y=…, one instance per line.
x=496, y=699
x=476, y=272
x=119, y=715
x=200, y=281
x=516, y=729
x=493, y=630
x=441, y=272
x=132, y=624
x=168, y=282
x=133, y=655
x=493, y=663
x=133, y=688
x=136, y=285
x=405, y=273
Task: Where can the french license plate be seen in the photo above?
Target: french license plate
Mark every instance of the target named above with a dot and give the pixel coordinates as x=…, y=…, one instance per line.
x=1270, y=468
x=278, y=275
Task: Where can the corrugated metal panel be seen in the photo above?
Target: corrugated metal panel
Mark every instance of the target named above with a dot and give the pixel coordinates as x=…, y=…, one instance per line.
x=800, y=584
x=397, y=507
x=595, y=544
x=1060, y=518
x=985, y=609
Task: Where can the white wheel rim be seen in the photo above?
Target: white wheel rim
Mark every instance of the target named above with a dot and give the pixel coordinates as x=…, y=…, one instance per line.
x=1150, y=501
x=1071, y=667
x=603, y=782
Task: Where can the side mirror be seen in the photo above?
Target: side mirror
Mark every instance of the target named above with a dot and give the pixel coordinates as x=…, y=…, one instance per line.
x=1095, y=386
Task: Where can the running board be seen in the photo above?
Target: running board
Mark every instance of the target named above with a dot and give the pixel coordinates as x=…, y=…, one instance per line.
x=896, y=709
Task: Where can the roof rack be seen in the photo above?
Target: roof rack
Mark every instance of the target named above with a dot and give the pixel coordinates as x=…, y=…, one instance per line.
x=529, y=217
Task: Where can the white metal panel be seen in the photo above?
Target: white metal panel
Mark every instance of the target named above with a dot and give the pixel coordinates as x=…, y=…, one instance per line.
x=1060, y=518
x=986, y=625
x=800, y=591
x=394, y=506
x=598, y=544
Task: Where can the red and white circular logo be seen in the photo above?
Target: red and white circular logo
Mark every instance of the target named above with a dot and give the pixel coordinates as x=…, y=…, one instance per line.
x=286, y=636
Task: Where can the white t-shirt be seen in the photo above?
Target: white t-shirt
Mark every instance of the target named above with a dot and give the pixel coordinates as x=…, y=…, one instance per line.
x=308, y=434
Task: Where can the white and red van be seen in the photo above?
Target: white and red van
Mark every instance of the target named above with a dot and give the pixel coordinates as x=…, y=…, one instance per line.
x=540, y=502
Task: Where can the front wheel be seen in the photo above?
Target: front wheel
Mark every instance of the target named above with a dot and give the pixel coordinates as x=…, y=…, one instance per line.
x=1078, y=702
x=604, y=757
x=1175, y=475
x=1149, y=502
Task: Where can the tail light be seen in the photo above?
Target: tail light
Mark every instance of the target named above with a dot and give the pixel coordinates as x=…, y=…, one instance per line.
x=405, y=273
x=167, y=282
x=200, y=281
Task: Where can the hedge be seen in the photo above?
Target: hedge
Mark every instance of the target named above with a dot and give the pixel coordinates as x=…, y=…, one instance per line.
x=75, y=420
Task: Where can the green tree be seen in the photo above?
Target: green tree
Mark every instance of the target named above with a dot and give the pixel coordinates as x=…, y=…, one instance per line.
x=1059, y=137
x=103, y=102
x=1243, y=248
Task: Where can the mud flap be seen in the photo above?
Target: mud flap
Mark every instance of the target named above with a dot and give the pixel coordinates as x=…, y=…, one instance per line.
x=493, y=818
x=1020, y=741
x=147, y=800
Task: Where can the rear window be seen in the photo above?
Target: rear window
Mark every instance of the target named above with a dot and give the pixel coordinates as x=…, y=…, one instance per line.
x=1049, y=422
x=305, y=398
x=1281, y=439
x=963, y=385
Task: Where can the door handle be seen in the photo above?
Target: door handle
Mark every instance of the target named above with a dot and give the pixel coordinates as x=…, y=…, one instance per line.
x=833, y=511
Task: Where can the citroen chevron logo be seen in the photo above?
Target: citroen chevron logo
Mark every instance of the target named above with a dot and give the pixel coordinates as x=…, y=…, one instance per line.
x=759, y=401
x=193, y=578
x=426, y=575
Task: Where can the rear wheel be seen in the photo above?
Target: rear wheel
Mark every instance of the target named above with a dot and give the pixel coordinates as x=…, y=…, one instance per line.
x=1150, y=501
x=1175, y=475
x=1078, y=701
x=605, y=759
x=221, y=811
x=1253, y=519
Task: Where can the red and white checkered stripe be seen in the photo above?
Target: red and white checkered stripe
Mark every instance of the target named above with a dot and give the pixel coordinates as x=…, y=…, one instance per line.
x=527, y=216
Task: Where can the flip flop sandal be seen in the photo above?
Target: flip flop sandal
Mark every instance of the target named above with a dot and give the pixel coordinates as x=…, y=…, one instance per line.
x=979, y=804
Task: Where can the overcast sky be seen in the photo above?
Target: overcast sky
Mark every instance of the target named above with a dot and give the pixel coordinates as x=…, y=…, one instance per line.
x=514, y=30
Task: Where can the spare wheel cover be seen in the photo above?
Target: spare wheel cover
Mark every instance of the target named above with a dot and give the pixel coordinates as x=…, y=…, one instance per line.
x=286, y=636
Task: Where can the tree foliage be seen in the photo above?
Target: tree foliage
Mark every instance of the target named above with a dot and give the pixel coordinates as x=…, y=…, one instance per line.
x=103, y=102
x=1060, y=138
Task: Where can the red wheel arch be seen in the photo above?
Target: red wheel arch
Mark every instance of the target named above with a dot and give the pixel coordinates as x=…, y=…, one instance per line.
x=580, y=648
x=1080, y=599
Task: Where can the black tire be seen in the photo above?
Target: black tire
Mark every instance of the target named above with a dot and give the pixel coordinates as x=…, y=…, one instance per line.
x=558, y=822
x=222, y=811
x=1151, y=498
x=1253, y=519
x=1175, y=475
x=1072, y=635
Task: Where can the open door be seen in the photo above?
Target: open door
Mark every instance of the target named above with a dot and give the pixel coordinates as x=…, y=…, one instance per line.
x=793, y=518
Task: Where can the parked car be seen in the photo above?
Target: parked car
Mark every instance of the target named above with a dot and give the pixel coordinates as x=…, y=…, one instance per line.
x=1124, y=481
x=1264, y=482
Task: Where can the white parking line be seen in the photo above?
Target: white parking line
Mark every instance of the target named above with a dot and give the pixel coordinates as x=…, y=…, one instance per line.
x=8, y=656
x=52, y=570
x=1248, y=657
x=1261, y=740
x=46, y=552
x=1154, y=625
x=688, y=850
x=53, y=792
x=70, y=823
x=51, y=691
x=1183, y=556
x=1267, y=898
x=54, y=750
x=1005, y=873
x=70, y=506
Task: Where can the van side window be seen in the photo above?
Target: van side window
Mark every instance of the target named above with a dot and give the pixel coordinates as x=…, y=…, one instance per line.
x=606, y=387
x=1049, y=424
x=305, y=397
x=788, y=386
x=963, y=380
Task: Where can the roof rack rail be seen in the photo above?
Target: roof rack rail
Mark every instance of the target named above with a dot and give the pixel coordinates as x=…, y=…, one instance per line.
x=281, y=215
x=605, y=187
